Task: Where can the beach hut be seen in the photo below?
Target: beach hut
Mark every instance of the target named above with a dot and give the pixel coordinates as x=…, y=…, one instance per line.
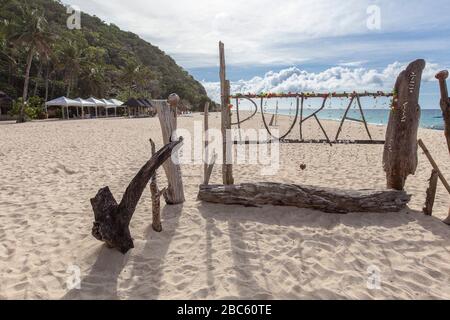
x=134, y=106
x=5, y=105
x=64, y=103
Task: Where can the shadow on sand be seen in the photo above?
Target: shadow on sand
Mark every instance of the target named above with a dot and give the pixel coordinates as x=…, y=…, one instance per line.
x=102, y=281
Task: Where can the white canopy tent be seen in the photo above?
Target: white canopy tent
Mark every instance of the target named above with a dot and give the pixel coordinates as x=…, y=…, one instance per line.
x=114, y=103
x=84, y=103
x=98, y=103
x=63, y=102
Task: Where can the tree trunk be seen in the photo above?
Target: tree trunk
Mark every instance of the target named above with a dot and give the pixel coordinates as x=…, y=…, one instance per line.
x=112, y=220
x=168, y=119
x=68, y=88
x=25, y=86
x=36, y=85
x=400, y=152
x=322, y=199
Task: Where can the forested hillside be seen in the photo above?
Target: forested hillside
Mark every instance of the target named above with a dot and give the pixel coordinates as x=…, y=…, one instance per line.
x=99, y=60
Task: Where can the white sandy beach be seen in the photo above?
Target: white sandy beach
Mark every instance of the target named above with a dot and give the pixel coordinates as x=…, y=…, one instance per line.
x=49, y=170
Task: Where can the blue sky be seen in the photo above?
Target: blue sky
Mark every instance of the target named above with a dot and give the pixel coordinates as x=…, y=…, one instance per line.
x=324, y=38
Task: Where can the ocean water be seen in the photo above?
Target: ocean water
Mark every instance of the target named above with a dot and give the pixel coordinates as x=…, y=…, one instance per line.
x=430, y=119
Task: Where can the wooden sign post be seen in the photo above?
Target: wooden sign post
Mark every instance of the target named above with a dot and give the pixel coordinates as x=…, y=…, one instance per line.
x=400, y=152
x=227, y=166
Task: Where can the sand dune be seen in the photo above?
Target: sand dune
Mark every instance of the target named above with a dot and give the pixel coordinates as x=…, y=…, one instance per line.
x=49, y=171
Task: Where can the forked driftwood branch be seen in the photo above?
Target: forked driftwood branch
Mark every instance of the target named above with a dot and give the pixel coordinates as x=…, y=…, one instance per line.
x=112, y=220
x=323, y=199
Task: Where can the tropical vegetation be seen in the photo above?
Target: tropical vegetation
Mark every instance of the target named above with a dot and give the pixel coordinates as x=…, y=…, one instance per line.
x=41, y=57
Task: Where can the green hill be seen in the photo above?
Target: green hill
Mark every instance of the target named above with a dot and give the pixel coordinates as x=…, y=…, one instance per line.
x=98, y=60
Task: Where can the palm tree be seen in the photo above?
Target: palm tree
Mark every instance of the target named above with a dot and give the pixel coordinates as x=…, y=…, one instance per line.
x=31, y=33
x=138, y=78
x=70, y=61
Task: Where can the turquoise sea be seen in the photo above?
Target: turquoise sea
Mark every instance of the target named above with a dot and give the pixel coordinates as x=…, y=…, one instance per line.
x=431, y=118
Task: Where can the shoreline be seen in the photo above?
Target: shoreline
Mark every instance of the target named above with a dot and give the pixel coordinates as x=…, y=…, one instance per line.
x=421, y=125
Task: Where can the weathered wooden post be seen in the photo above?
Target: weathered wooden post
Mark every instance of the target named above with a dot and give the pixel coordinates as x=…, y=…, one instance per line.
x=431, y=193
x=206, y=128
x=445, y=106
x=156, y=196
x=445, y=103
x=227, y=166
x=167, y=113
x=400, y=152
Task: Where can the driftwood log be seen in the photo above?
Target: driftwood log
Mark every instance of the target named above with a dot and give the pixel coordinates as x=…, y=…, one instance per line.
x=167, y=113
x=400, y=152
x=112, y=220
x=322, y=199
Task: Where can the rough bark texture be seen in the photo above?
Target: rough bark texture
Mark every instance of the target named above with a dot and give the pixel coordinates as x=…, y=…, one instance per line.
x=112, y=219
x=323, y=199
x=445, y=106
x=168, y=118
x=206, y=128
x=227, y=166
x=156, y=197
x=445, y=103
x=400, y=153
x=431, y=194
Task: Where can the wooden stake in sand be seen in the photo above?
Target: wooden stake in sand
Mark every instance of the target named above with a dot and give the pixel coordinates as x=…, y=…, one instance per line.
x=156, y=196
x=445, y=103
x=112, y=220
x=434, y=164
x=400, y=152
x=431, y=194
x=167, y=113
x=445, y=106
x=439, y=174
x=206, y=128
x=227, y=167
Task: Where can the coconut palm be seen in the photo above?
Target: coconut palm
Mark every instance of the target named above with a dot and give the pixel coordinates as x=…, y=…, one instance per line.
x=30, y=33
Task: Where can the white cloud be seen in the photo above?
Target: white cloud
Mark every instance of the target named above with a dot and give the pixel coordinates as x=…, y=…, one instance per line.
x=267, y=31
x=334, y=79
